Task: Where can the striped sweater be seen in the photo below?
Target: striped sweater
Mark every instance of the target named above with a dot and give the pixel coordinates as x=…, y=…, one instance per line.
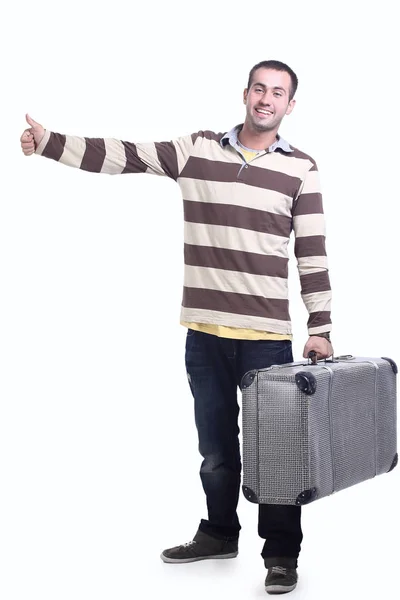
x=238, y=221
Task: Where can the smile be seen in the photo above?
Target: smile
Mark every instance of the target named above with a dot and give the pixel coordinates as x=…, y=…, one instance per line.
x=264, y=112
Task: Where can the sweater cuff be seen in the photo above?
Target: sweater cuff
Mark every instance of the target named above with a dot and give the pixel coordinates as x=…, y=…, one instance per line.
x=43, y=143
x=325, y=334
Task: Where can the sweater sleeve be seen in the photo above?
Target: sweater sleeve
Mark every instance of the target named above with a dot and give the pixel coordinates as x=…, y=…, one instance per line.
x=114, y=157
x=310, y=252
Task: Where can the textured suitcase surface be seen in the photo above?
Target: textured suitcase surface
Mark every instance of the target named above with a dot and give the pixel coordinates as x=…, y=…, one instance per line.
x=312, y=430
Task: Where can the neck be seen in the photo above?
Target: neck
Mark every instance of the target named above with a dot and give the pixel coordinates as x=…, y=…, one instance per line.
x=257, y=140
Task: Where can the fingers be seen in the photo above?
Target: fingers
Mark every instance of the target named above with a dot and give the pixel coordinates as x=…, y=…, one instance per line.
x=320, y=345
x=31, y=137
x=27, y=142
x=27, y=135
x=28, y=151
x=320, y=354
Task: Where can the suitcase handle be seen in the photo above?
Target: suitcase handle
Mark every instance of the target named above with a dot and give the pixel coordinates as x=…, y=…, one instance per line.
x=334, y=359
x=312, y=355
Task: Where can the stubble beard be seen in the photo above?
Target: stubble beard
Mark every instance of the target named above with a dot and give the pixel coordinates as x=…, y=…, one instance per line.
x=261, y=127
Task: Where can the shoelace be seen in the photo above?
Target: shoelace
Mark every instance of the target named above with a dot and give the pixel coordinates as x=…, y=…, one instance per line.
x=189, y=544
x=279, y=570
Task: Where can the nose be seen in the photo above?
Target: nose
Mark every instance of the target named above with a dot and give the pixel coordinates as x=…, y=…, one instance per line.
x=266, y=99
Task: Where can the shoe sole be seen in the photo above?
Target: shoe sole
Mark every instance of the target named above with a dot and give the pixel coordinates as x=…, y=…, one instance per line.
x=189, y=560
x=279, y=589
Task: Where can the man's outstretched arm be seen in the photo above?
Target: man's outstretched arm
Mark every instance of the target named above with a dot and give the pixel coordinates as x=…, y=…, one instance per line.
x=107, y=155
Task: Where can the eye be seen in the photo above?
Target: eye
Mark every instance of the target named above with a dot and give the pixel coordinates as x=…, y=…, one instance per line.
x=258, y=89
x=278, y=94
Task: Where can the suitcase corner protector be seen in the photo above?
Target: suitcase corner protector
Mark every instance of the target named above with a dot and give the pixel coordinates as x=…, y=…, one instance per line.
x=392, y=364
x=306, y=496
x=248, y=379
x=249, y=494
x=394, y=463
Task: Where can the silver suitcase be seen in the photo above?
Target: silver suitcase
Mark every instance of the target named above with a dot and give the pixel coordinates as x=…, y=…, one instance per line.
x=312, y=429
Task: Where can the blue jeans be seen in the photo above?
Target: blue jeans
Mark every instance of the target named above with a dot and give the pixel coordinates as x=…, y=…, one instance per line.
x=215, y=367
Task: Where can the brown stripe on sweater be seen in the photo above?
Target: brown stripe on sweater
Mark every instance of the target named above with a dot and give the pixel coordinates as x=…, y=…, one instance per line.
x=133, y=162
x=210, y=170
x=240, y=304
x=235, y=260
x=312, y=245
x=315, y=282
x=229, y=215
x=211, y=135
x=308, y=204
x=55, y=146
x=167, y=156
x=94, y=155
x=299, y=154
x=318, y=319
x=213, y=170
x=270, y=180
x=208, y=135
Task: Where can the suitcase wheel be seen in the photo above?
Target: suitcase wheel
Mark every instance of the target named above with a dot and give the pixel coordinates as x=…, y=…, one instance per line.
x=306, y=496
x=306, y=382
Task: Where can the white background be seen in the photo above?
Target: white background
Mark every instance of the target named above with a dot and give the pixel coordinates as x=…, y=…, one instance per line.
x=98, y=449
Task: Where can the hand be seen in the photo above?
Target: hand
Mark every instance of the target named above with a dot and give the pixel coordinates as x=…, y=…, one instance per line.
x=320, y=345
x=31, y=137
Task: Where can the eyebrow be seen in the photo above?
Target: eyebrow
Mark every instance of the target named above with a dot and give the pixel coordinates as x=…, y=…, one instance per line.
x=274, y=88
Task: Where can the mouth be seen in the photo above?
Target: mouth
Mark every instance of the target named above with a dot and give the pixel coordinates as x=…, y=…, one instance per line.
x=264, y=112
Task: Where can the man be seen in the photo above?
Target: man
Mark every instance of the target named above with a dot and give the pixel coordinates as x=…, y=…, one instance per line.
x=243, y=193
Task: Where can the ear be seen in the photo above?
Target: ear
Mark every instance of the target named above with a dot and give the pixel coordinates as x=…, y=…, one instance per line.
x=290, y=107
x=245, y=96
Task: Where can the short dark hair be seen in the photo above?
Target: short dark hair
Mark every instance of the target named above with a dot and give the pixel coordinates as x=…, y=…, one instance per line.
x=276, y=65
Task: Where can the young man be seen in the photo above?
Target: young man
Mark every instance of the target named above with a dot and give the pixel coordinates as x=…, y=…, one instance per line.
x=243, y=193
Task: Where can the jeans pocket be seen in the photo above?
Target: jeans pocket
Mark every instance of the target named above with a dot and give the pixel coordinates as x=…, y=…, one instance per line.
x=281, y=352
x=265, y=353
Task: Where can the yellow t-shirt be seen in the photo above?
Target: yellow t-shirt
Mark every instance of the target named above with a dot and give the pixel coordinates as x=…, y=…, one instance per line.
x=236, y=332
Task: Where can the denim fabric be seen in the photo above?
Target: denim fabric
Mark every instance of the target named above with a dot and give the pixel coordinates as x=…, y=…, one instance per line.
x=215, y=367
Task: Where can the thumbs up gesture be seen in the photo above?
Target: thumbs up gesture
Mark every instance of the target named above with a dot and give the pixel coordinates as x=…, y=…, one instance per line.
x=31, y=137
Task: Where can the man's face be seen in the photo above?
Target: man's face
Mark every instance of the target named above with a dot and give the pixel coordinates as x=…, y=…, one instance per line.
x=267, y=99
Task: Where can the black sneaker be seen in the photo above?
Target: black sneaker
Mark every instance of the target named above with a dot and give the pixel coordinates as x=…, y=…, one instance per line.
x=201, y=547
x=280, y=580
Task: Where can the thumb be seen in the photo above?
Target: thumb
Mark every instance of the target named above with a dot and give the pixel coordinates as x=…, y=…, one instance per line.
x=36, y=129
x=32, y=123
